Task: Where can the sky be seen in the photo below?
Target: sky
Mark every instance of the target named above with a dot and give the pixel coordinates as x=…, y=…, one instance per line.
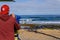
x=34, y=7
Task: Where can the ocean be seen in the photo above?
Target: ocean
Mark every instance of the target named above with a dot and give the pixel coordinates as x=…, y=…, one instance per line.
x=41, y=17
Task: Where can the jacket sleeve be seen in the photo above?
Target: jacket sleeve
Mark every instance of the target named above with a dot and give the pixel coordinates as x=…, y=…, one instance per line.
x=16, y=25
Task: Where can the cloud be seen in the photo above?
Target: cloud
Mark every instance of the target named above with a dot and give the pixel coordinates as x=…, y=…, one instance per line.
x=35, y=7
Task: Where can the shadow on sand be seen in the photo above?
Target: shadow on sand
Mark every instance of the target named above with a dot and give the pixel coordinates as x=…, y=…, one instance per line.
x=47, y=35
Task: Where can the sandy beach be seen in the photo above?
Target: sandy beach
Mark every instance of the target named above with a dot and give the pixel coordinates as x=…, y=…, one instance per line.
x=41, y=34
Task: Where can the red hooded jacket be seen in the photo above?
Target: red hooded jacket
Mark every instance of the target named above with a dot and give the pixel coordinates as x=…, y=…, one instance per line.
x=7, y=24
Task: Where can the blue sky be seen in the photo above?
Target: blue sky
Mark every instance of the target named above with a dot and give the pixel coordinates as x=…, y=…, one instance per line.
x=34, y=7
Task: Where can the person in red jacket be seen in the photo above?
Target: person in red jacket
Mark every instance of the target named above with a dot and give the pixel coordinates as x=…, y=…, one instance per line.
x=7, y=24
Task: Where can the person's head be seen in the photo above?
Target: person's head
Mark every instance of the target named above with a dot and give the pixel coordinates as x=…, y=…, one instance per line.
x=5, y=9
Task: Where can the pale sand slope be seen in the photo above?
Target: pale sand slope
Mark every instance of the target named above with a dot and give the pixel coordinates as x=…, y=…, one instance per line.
x=40, y=35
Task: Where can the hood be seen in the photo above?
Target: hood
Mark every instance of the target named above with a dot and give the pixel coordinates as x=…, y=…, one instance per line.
x=4, y=17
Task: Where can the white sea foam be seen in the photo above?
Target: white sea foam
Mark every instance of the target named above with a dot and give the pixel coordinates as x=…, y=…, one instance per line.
x=40, y=22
